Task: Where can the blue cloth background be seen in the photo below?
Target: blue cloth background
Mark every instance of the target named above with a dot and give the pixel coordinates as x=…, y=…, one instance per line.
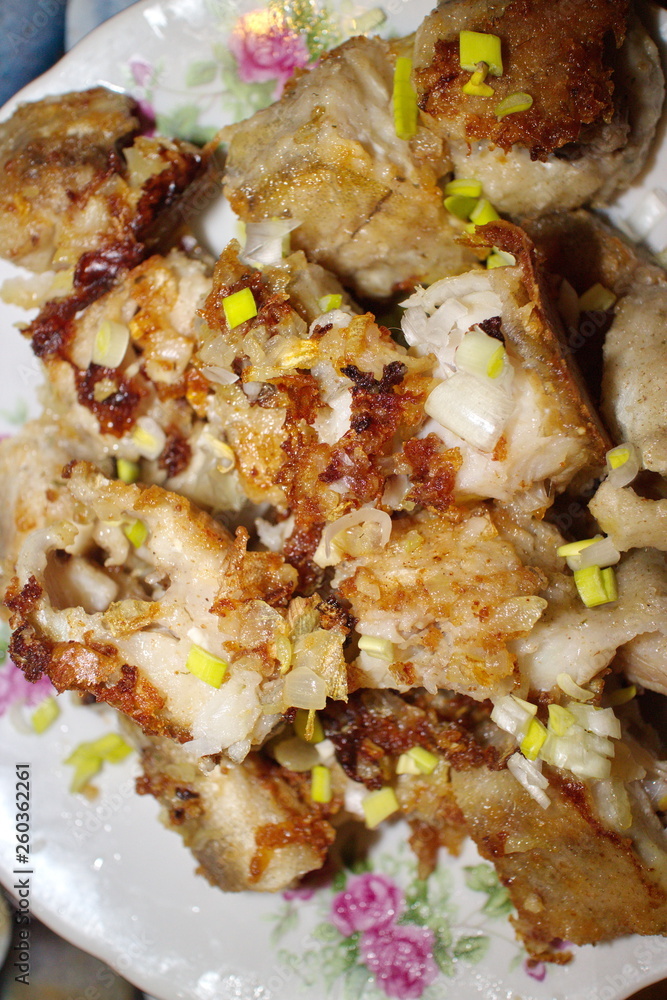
x=33, y=35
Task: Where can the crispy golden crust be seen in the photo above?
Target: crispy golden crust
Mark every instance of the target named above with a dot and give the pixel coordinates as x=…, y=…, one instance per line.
x=555, y=50
x=82, y=183
x=250, y=825
x=569, y=877
x=545, y=349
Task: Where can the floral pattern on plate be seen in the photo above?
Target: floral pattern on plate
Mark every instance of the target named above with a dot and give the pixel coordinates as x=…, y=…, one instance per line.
x=264, y=47
x=381, y=931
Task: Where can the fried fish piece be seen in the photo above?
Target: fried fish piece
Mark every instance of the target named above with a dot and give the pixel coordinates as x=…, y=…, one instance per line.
x=552, y=435
x=78, y=180
x=250, y=825
x=449, y=595
x=327, y=155
x=179, y=579
x=596, y=85
x=569, y=874
x=313, y=411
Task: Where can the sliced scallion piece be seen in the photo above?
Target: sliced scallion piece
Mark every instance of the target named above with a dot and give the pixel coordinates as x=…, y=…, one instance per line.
x=480, y=46
x=379, y=805
x=512, y=104
x=466, y=187
x=596, y=586
x=320, y=784
x=374, y=645
x=136, y=533
x=425, y=760
x=622, y=695
x=499, y=258
x=483, y=212
x=480, y=354
x=128, y=472
x=560, y=720
x=534, y=739
x=329, y=302
x=460, y=205
x=45, y=715
x=623, y=465
x=111, y=341
x=207, y=667
x=596, y=299
x=404, y=99
x=239, y=307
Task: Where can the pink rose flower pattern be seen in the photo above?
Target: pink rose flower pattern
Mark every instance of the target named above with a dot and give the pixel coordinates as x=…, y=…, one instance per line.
x=14, y=688
x=368, y=901
x=399, y=955
x=265, y=48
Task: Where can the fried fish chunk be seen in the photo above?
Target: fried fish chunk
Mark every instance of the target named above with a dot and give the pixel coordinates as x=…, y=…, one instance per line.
x=552, y=435
x=250, y=825
x=569, y=875
x=596, y=86
x=327, y=155
x=449, y=595
x=178, y=580
x=78, y=178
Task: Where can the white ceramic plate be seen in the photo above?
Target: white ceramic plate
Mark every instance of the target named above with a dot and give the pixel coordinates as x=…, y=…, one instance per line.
x=104, y=873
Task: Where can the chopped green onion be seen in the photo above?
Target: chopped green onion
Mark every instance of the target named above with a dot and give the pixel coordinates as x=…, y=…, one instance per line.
x=601, y=553
x=329, y=302
x=460, y=205
x=617, y=457
x=465, y=187
x=425, y=760
x=571, y=551
x=148, y=438
x=320, y=784
x=622, y=695
x=596, y=299
x=560, y=720
x=404, y=100
x=239, y=307
x=601, y=721
x=480, y=354
x=483, y=212
x=136, y=533
x=567, y=684
x=207, y=667
x=609, y=583
x=479, y=46
x=89, y=757
x=475, y=87
x=534, y=739
x=84, y=770
x=596, y=586
x=412, y=540
x=112, y=748
x=574, y=548
x=381, y=649
x=499, y=258
x=110, y=344
x=379, y=805
x=128, y=472
x=623, y=464
x=512, y=104
x=407, y=765
x=296, y=755
x=308, y=726
x=45, y=715
x=284, y=653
